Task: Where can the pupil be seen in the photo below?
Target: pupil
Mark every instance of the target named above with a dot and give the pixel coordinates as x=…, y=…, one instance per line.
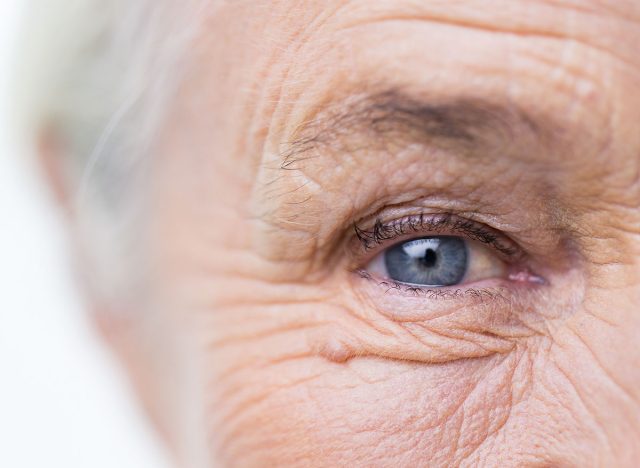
x=430, y=258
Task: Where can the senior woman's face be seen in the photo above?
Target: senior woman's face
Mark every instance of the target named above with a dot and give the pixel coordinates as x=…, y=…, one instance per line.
x=399, y=233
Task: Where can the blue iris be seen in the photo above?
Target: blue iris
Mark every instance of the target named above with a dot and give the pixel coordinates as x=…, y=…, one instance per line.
x=430, y=261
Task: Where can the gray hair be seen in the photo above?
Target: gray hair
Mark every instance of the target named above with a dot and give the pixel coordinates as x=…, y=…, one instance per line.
x=98, y=75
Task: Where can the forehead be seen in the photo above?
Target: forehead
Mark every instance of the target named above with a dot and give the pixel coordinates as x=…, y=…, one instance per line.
x=300, y=50
x=575, y=60
x=272, y=69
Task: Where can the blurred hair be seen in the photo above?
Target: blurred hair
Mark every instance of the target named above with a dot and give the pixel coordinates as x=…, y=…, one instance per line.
x=96, y=77
x=96, y=73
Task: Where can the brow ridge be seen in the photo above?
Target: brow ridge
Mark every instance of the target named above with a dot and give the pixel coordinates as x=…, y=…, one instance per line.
x=394, y=116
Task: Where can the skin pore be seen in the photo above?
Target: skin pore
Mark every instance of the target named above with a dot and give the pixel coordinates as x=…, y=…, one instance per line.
x=263, y=338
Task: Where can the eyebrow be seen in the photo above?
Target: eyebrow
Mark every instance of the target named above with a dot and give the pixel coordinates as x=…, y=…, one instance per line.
x=466, y=125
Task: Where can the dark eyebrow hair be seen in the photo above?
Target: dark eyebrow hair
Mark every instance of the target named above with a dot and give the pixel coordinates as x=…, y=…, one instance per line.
x=394, y=116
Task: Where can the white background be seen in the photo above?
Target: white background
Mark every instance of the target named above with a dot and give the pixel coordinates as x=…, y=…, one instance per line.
x=63, y=400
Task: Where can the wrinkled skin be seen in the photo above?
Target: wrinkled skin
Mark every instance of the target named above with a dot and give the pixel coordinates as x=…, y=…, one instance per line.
x=256, y=343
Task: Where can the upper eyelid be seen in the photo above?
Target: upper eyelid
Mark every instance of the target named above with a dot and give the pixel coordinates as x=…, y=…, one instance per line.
x=423, y=223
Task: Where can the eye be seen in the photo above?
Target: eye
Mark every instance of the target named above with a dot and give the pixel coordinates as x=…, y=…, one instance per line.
x=437, y=261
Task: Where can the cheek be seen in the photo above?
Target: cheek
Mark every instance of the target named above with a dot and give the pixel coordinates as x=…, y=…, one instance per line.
x=375, y=412
x=284, y=388
x=273, y=405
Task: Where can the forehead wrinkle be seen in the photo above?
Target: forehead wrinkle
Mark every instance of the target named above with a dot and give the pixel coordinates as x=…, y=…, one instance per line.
x=514, y=18
x=394, y=118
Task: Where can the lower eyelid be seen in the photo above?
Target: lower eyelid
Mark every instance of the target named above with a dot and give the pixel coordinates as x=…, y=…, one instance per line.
x=492, y=309
x=488, y=290
x=518, y=285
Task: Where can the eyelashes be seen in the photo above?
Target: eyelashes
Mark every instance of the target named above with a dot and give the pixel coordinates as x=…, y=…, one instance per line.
x=382, y=232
